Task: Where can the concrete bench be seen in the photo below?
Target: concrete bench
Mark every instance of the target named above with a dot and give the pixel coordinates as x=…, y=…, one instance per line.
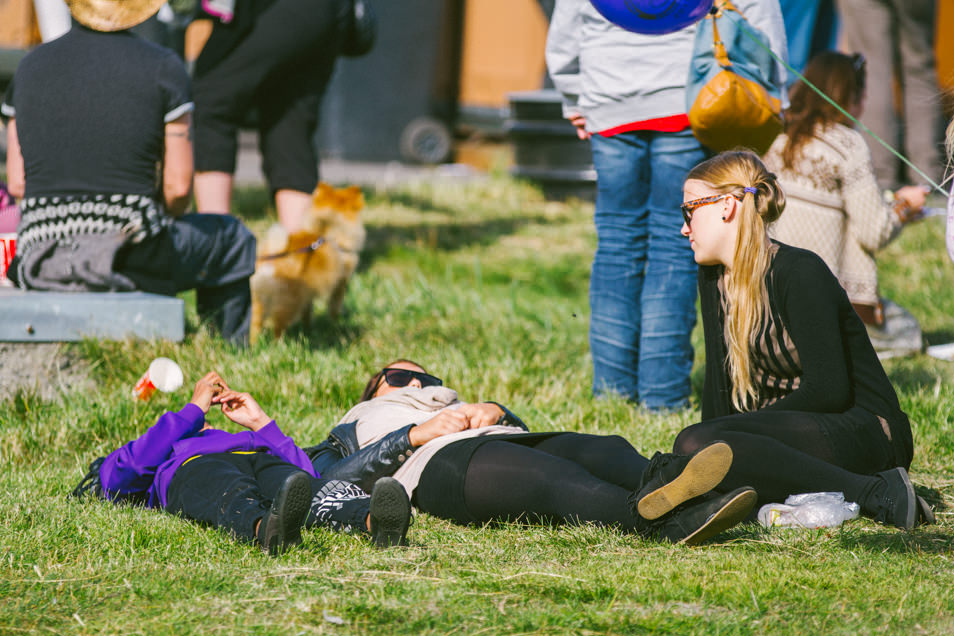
x=33, y=316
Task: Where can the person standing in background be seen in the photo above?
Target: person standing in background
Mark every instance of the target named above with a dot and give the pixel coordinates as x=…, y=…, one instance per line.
x=897, y=39
x=626, y=93
x=274, y=57
x=835, y=208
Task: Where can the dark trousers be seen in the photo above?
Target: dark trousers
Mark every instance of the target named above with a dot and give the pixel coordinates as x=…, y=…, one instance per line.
x=565, y=478
x=782, y=453
x=211, y=253
x=280, y=67
x=231, y=491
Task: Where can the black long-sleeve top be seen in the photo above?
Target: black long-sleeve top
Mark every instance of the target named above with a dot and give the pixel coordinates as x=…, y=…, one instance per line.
x=839, y=367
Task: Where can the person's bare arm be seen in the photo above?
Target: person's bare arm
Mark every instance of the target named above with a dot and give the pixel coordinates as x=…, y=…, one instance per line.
x=177, y=167
x=16, y=174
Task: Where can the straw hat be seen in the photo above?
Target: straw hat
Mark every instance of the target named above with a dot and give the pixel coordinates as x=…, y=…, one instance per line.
x=113, y=15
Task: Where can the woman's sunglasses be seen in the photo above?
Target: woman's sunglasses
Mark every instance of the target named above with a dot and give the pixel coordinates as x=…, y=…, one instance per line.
x=403, y=377
x=690, y=206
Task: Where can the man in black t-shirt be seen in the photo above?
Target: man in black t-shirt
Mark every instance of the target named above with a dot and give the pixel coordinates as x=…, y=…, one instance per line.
x=100, y=153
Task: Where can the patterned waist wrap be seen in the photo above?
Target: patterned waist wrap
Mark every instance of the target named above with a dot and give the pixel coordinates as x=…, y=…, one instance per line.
x=61, y=217
x=68, y=243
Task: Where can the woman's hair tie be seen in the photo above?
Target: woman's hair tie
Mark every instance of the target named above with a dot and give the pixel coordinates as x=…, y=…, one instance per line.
x=751, y=189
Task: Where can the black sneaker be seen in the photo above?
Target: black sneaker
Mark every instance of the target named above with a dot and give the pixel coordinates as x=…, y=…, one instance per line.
x=671, y=480
x=899, y=505
x=281, y=526
x=696, y=523
x=390, y=513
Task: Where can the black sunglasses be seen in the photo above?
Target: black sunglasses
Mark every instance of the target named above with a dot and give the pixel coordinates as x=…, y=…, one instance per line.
x=403, y=377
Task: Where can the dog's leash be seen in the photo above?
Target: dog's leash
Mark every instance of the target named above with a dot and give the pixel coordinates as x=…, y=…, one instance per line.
x=301, y=250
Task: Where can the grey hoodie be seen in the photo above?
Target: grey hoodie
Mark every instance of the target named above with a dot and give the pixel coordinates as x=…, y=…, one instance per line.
x=613, y=77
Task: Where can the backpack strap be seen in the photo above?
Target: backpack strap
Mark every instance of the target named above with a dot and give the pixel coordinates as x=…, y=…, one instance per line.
x=90, y=484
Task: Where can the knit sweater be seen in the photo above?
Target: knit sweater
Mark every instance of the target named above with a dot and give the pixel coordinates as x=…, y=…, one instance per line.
x=834, y=207
x=839, y=368
x=614, y=77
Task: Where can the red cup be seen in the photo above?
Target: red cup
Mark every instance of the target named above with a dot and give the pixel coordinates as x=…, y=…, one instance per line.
x=8, y=247
x=163, y=374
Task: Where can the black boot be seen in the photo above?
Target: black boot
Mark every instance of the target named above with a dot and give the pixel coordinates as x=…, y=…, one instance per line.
x=671, y=480
x=698, y=522
x=897, y=504
x=280, y=528
x=390, y=513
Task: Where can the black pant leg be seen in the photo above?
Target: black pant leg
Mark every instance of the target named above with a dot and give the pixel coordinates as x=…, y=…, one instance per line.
x=211, y=253
x=508, y=481
x=608, y=457
x=781, y=453
x=284, y=34
x=219, y=490
x=231, y=491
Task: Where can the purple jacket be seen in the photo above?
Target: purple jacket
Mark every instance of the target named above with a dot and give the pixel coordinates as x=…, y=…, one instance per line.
x=148, y=463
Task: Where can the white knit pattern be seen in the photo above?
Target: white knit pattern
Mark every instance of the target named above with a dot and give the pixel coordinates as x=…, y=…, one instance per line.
x=63, y=217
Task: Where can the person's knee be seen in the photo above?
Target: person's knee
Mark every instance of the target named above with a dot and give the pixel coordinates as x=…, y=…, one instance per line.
x=691, y=439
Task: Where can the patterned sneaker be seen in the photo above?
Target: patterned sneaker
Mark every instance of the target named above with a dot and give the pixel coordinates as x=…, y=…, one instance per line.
x=280, y=528
x=671, y=480
x=697, y=523
x=390, y=513
x=340, y=506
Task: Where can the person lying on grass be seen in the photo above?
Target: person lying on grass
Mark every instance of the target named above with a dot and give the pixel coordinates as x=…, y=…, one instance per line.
x=792, y=382
x=474, y=463
x=257, y=484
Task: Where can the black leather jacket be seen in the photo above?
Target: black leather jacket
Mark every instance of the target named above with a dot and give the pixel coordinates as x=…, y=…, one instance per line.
x=339, y=457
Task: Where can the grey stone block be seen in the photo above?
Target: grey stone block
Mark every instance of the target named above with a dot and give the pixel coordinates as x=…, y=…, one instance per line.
x=33, y=316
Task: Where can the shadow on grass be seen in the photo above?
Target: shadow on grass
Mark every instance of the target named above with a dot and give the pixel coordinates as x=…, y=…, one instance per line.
x=449, y=236
x=321, y=333
x=919, y=541
x=910, y=378
x=932, y=496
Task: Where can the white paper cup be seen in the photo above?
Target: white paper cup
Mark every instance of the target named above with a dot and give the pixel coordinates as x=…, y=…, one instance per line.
x=163, y=374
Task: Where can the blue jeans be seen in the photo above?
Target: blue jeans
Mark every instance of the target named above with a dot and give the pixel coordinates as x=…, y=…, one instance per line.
x=643, y=281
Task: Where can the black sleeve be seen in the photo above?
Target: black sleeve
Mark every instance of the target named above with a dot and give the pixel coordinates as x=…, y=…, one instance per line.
x=175, y=88
x=716, y=401
x=509, y=419
x=809, y=299
x=366, y=466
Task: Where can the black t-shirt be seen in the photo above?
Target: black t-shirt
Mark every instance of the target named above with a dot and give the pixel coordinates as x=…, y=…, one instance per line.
x=90, y=111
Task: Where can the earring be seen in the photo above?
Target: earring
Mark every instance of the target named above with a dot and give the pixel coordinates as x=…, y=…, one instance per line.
x=723, y=218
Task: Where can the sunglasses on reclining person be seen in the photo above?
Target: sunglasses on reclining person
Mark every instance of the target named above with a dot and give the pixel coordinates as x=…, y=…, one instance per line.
x=403, y=377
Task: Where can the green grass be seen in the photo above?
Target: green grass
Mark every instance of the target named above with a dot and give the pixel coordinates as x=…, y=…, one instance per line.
x=485, y=285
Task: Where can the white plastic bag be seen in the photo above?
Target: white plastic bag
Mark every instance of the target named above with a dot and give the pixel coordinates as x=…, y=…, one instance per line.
x=809, y=510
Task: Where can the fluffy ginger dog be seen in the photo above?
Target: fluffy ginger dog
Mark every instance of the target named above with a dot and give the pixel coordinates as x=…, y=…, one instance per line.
x=316, y=262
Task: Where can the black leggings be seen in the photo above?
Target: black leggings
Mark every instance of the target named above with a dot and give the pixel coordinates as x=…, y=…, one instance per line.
x=570, y=478
x=780, y=453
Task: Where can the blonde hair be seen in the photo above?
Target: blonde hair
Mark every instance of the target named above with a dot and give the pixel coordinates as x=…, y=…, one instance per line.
x=738, y=173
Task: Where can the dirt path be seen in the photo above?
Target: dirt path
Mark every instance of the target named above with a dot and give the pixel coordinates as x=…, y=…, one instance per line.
x=47, y=369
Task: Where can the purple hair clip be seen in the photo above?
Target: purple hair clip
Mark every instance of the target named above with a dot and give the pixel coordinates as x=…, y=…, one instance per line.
x=750, y=189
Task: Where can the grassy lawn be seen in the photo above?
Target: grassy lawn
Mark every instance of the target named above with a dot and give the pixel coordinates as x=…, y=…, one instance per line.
x=486, y=285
